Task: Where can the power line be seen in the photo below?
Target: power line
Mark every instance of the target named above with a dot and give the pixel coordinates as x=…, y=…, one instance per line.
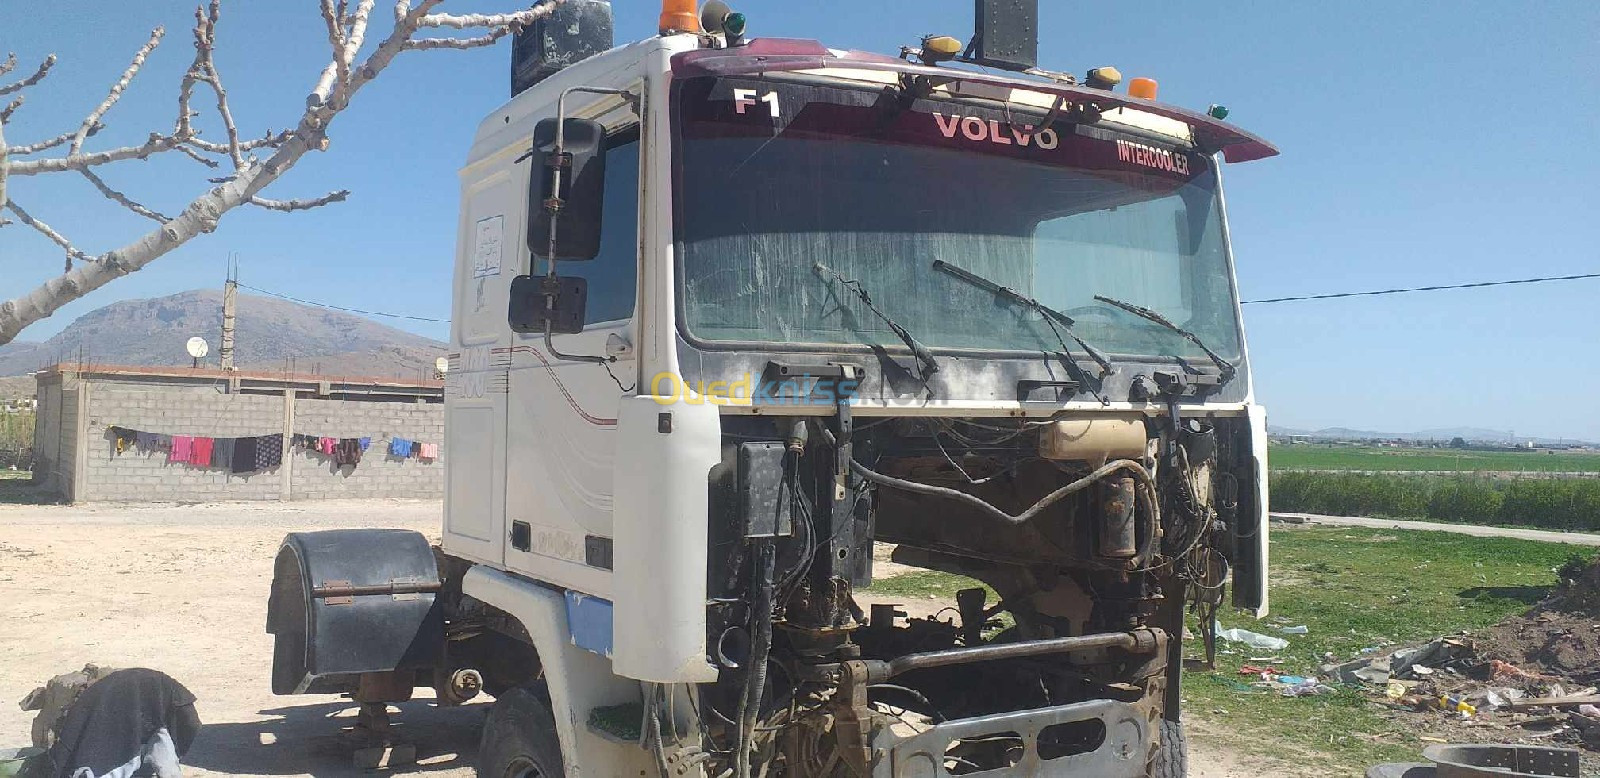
x=1423, y=289
x=339, y=307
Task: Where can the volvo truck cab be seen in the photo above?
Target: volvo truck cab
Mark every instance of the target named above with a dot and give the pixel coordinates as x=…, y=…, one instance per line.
x=737, y=321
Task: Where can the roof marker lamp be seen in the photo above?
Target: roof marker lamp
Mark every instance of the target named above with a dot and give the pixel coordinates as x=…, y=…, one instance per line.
x=718, y=19
x=1105, y=78
x=1143, y=88
x=1218, y=112
x=940, y=48
x=679, y=16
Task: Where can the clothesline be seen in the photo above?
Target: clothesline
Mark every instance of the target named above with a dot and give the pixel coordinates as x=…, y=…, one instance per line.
x=251, y=454
x=236, y=455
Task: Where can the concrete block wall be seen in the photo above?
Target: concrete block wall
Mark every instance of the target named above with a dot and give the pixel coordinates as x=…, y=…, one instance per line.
x=174, y=410
x=47, y=438
x=378, y=474
x=66, y=469
x=209, y=411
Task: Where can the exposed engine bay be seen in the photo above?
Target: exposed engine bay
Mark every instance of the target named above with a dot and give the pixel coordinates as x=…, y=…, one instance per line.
x=1093, y=536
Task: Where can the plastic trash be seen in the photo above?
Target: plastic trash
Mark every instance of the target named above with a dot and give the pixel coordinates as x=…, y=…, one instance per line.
x=1300, y=630
x=1292, y=680
x=1306, y=688
x=1446, y=702
x=1252, y=639
x=1589, y=710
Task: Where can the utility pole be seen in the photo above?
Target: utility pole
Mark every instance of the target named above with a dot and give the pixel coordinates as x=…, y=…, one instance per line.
x=230, y=300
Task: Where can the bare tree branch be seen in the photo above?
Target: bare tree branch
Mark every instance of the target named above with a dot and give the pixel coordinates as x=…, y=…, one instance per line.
x=358, y=30
x=10, y=63
x=301, y=205
x=465, y=21
x=5, y=152
x=197, y=156
x=269, y=141
x=115, y=94
x=423, y=44
x=122, y=199
x=5, y=113
x=205, y=39
x=38, y=75
x=339, y=80
x=341, y=66
x=46, y=145
x=155, y=144
x=49, y=232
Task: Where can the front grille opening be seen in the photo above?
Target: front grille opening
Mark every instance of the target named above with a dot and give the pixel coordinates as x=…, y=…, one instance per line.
x=976, y=754
x=1058, y=741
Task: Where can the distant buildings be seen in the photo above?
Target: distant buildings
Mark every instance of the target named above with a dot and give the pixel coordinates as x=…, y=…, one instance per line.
x=19, y=405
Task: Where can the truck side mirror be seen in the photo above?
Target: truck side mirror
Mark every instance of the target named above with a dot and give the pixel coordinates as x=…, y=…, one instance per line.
x=581, y=168
x=532, y=309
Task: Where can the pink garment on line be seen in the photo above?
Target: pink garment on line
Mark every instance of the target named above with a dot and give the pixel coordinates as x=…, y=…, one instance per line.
x=429, y=451
x=182, y=449
x=200, y=451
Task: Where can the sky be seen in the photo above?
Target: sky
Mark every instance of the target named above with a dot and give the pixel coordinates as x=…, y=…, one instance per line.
x=1422, y=143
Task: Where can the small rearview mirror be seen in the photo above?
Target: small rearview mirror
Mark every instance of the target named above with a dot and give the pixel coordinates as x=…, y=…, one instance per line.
x=531, y=310
x=583, y=183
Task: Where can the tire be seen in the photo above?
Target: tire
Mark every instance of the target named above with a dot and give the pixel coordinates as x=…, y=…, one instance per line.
x=519, y=738
x=1171, y=759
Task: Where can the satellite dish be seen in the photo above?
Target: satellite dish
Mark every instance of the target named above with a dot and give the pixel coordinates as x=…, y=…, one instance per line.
x=198, y=347
x=441, y=365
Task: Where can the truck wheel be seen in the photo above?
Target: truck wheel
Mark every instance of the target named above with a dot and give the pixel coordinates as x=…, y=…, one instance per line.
x=519, y=738
x=1171, y=759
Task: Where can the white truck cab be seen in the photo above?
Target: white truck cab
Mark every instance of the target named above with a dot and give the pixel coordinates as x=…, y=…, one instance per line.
x=737, y=318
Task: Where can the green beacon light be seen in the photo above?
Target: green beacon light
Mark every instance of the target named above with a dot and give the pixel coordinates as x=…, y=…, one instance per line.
x=1218, y=112
x=734, y=25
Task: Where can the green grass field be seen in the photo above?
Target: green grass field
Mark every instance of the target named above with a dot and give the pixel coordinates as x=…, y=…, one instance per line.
x=1353, y=588
x=1322, y=457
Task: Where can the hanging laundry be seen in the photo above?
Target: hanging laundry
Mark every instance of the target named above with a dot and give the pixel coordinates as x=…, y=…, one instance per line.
x=400, y=447
x=366, y=443
x=182, y=449
x=146, y=442
x=347, y=452
x=222, y=453
x=126, y=438
x=429, y=451
x=326, y=445
x=269, y=451
x=201, y=454
x=244, y=456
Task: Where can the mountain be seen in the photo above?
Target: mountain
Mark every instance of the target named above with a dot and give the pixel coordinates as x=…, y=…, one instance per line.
x=269, y=335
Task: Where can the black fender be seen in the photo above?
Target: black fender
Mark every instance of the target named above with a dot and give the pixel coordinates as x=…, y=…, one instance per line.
x=350, y=602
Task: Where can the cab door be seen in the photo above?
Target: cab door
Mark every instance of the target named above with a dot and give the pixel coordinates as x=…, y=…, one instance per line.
x=563, y=413
x=476, y=381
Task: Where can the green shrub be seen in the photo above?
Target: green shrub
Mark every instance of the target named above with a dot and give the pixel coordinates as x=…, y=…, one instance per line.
x=1470, y=500
x=1552, y=503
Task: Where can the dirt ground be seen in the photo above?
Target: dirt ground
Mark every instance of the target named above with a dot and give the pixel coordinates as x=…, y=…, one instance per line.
x=183, y=589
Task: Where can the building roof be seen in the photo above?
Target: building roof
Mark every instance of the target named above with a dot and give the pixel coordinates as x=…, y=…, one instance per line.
x=246, y=378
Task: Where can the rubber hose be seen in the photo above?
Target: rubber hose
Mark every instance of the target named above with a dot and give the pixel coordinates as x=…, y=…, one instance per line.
x=1151, y=512
x=760, y=649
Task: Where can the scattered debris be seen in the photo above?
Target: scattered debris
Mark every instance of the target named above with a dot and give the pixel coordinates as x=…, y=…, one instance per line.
x=1510, y=760
x=1251, y=639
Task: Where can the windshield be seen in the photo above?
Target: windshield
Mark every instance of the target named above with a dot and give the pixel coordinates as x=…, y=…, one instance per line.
x=777, y=178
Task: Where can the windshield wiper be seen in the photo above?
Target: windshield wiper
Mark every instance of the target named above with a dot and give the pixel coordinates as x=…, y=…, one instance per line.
x=1223, y=365
x=927, y=365
x=1052, y=316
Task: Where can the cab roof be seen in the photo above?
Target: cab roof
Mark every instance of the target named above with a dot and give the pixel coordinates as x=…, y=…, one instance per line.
x=779, y=55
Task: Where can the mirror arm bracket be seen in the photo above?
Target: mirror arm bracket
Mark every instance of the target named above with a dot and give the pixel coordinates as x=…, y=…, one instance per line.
x=559, y=161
